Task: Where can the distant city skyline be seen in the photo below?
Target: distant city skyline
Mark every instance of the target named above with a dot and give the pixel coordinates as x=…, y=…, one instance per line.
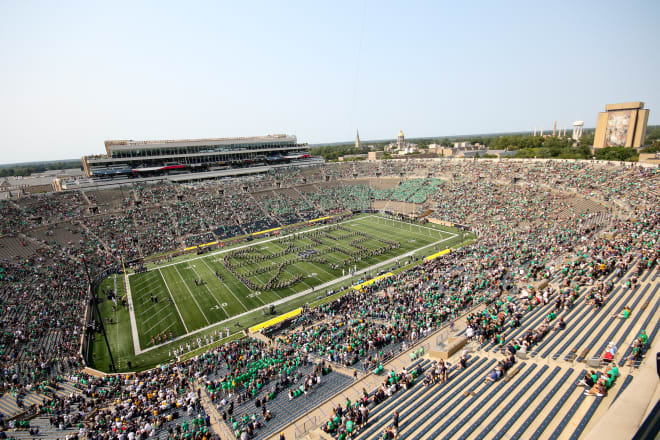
x=78, y=73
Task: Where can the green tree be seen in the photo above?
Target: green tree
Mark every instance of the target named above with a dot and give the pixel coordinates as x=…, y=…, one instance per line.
x=617, y=153
x=587, y=139
x=653, y=147
x=652, y=133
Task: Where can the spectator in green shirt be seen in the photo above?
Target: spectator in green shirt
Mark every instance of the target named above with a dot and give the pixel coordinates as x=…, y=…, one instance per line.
x=624, y=314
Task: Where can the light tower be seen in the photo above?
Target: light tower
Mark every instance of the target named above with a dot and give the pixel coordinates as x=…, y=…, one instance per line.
x=577, y=130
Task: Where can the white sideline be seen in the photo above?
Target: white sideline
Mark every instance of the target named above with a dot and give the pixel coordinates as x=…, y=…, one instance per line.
x=139, y=351
x=173, y=300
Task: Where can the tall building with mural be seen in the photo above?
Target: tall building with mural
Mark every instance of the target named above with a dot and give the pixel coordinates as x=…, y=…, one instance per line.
x=622, y=125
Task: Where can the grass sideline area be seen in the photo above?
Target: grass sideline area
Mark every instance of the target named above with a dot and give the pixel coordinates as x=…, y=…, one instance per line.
x=200, y=297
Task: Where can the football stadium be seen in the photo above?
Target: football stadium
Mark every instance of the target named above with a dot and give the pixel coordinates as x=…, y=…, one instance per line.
x=285, y=297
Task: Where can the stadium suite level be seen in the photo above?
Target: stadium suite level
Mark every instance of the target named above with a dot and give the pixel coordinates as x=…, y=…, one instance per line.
x=149, y=158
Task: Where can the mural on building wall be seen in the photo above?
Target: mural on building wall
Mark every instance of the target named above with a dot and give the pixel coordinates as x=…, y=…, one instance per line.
x=617, y=128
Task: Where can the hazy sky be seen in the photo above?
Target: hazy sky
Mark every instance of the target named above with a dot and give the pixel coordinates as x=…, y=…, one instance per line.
x=74, y=74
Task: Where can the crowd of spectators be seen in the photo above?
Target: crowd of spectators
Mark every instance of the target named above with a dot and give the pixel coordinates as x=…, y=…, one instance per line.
x=528, y=232
x=597, y=384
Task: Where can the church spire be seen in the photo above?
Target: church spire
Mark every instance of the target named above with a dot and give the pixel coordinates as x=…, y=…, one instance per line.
x=357, y=140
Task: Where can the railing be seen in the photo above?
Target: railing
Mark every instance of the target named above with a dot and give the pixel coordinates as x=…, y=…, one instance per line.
x=423, y=342
x=306, y=427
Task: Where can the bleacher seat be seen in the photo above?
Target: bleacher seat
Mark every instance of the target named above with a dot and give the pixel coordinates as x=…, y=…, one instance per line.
x=495, y=405
x=472, y=373
x=585, y=419
x=553, y=412
x=538, y=408
x=568, y=416
x=496, y=386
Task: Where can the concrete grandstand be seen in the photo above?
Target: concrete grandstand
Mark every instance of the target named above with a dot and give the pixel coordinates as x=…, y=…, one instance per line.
x=544, y=327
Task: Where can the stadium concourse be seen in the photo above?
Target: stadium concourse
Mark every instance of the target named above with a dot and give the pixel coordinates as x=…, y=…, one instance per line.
x=558, y=297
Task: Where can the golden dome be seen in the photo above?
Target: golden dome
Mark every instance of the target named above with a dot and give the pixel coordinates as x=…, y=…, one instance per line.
x=401, y=133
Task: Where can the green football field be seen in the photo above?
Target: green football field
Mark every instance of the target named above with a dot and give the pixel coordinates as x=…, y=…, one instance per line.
x=286, y=272
x=185, y=297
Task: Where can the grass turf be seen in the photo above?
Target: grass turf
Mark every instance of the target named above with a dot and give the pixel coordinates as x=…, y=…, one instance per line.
x=191, y=311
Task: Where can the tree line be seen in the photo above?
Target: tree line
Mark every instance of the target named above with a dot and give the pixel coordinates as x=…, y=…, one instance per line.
x=25, y=169
x=524, y=145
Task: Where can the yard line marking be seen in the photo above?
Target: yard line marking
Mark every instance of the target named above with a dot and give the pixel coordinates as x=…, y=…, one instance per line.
x=302, y=280
x=210, y=293
x=416, y=225
x=320, y=266
x=258, y=277
x=145, y=288
x=174, y=302
x=155, y=313
x=439, y=232
x=227, y=287
x=147, y=277
x=143, y=312
x=303, y=293
x=191, y=294
x=335, y=281
x=146, y=281
x=237, y=280
x=144, y=299
x=148, y=285
x=154, y=326
x=311, y=262
x=265, y=241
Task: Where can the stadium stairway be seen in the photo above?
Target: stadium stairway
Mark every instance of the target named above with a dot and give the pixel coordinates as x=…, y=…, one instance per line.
x=9, y=407
x=542, y=400
x=439, y=421
x=417, y=404
x=286, y=411
x=379, y=414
